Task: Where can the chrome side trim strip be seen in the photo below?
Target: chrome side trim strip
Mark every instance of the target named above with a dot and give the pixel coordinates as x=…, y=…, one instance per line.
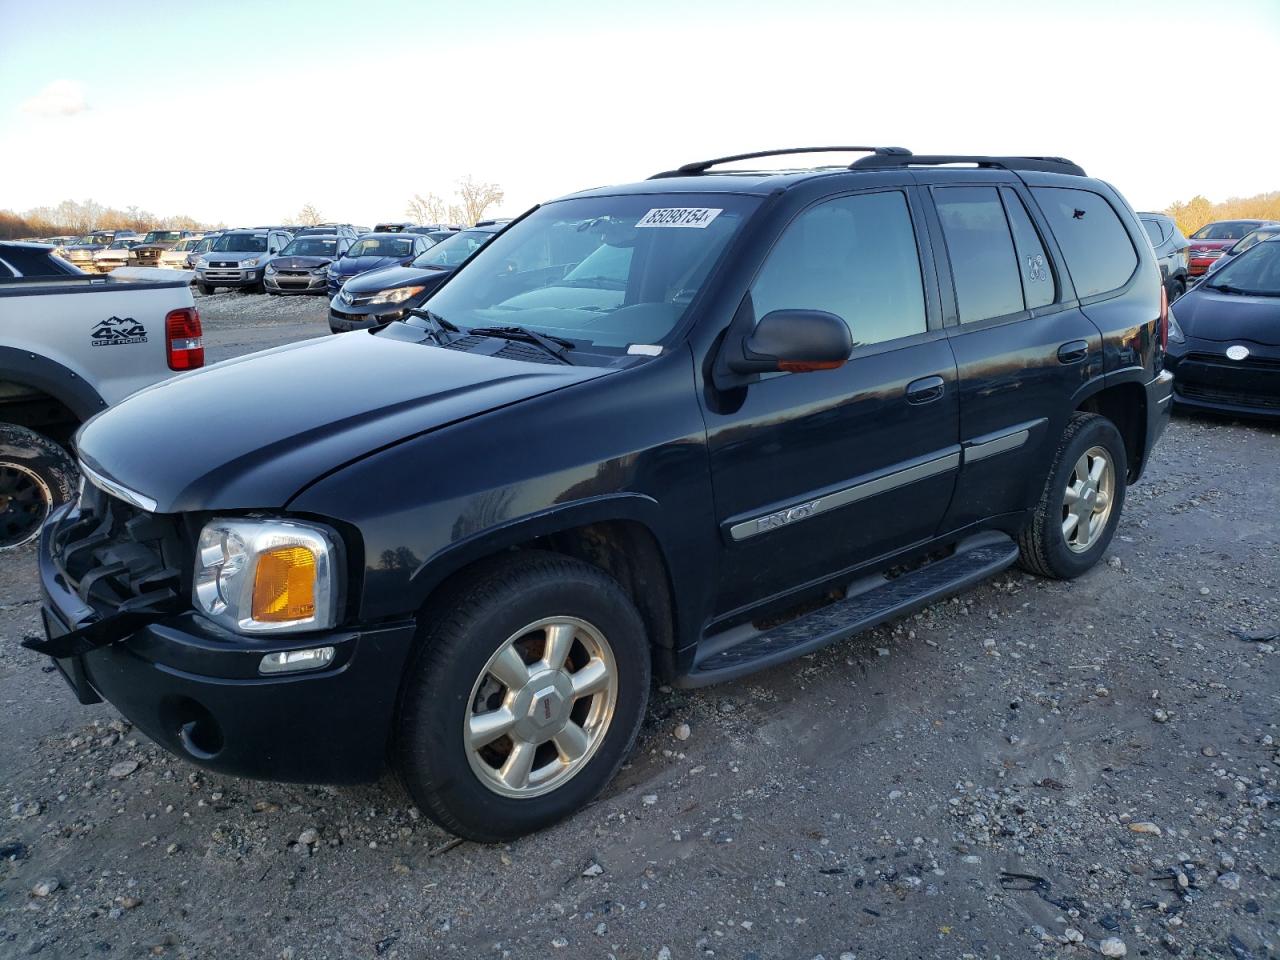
x=139, y=500
x=840, y=498
x=1010, y=441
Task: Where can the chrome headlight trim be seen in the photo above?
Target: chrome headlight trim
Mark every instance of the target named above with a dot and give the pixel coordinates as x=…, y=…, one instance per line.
x=118, y=490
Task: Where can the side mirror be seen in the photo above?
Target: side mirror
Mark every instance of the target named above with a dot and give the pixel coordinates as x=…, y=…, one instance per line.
x=794, y=341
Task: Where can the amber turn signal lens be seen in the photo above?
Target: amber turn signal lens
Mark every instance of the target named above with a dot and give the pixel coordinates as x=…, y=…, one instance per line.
x=284, y=585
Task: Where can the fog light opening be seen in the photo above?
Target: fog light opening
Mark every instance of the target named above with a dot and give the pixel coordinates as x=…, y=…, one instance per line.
x=198, y=731
x=292, y=661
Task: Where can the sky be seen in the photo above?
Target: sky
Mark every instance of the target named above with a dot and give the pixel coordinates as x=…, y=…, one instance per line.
x=242, y=112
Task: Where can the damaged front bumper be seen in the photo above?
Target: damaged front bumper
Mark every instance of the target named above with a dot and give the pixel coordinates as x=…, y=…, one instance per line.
x=198, y=690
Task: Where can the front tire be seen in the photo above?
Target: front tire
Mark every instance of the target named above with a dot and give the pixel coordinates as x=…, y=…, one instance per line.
x=1080, y=505
x=205, y=289
x=525, y=696
x=36, y=476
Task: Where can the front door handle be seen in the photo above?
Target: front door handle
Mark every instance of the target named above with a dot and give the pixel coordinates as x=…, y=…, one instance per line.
x=1073, y=352
x=925, y=390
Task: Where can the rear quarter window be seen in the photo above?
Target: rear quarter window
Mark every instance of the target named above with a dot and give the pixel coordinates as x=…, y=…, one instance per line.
x=1100, y=256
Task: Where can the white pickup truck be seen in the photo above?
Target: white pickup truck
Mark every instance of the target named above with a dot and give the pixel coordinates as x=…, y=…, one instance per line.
x=69, y=347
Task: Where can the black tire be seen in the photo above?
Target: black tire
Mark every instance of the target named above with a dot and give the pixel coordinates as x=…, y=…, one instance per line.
x=205, y=289
x=490, y=606
x=1176, y=289
x=36, y=476
x=1042, y=544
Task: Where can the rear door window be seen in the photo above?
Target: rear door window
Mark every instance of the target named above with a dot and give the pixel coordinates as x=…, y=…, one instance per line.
x=1154, y=231
x=1038, y=286
x=1100, y=256
x=984, y=266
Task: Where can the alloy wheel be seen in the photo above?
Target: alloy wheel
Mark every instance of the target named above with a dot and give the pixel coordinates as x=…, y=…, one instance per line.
x=1086, y=504
x=25, y=502
x=541, y=707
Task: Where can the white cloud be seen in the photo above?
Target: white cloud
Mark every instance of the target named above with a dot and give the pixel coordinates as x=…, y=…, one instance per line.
x=61, y=98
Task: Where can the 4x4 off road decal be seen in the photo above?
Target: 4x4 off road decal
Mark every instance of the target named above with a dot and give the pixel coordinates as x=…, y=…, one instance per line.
x=116, y=332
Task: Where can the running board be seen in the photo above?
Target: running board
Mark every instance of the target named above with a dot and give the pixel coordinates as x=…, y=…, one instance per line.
x=869, y=602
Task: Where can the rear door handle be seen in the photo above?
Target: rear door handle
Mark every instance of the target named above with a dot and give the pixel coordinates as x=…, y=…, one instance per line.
x=925, y=390
x=1073, y=352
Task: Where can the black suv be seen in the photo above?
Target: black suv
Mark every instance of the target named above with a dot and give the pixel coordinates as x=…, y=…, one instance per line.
x=697, y=425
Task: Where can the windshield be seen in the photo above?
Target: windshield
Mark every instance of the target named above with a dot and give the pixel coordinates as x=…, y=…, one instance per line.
x=203, y=244
x=311, y=247
x=121, y=244
x=1227, y=230
x=90, y=240
x=161, y=236
x=1256, y=272
x=455, y=248
x=605, y=271
x=187, y=244
x=381, y=247
x=1252, y=238
x=240, y=242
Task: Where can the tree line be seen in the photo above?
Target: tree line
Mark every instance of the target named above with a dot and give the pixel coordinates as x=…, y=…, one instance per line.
x=71, y=217
x=1191, y=215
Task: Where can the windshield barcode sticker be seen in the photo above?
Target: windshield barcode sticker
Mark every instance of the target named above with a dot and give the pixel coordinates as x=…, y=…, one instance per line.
x=679, y=217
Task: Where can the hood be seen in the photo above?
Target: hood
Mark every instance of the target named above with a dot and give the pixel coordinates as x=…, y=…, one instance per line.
x=350, y=266
x=252, y=432
x=81, y=251
x=396, y=276
x=1211, y=245
x=300, y=263
x=1209, y=315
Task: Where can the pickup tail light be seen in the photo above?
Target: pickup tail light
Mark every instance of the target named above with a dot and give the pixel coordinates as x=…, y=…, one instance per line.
x=1164, y=318
x=184, y=339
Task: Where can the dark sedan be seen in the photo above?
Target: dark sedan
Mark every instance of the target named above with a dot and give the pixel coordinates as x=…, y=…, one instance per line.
x=375, y=250
x=1224, y=348
x=303, y=266
x=381, y=296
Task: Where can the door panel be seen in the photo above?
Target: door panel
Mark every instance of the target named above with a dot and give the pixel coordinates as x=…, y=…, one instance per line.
x=816, y=472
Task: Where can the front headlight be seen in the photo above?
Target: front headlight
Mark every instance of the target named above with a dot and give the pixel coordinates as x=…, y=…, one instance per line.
x=268, y=576
x=201, y=263
x=1175, y=332
x=395, y=295
x=321, y=270
x=271, y=268
x=249, y=263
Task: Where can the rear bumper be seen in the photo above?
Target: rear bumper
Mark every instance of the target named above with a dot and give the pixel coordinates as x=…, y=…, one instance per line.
x=196, y=690
x=1159, y=412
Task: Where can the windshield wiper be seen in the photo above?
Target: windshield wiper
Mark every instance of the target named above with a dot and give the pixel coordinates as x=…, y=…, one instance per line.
x=556, y=346
x=436, y=324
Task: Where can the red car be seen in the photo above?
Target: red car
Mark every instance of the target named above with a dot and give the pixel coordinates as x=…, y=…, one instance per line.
x=1211, y=241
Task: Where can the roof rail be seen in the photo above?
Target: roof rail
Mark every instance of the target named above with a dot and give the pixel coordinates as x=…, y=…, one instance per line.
x=1046, y=164
x=702, y=166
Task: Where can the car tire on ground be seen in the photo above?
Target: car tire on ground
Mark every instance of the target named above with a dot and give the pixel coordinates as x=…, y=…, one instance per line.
x=205, y=289
x=1176, y=289
x=36, y=476
x=1080, y=505
x=493, y=739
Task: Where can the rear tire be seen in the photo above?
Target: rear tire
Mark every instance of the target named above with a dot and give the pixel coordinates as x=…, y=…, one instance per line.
x=36, y=477
x=493, y=740
x=1177, y=289
x=1080, y=505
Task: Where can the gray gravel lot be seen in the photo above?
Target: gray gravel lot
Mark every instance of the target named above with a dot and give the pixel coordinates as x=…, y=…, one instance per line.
x=1032, y=769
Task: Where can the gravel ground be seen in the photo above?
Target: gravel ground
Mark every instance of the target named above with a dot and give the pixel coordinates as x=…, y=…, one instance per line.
x=1032, y=769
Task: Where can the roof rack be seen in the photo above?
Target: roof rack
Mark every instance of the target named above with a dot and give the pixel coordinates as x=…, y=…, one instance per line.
x=1046, y=164
x=702, y=166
